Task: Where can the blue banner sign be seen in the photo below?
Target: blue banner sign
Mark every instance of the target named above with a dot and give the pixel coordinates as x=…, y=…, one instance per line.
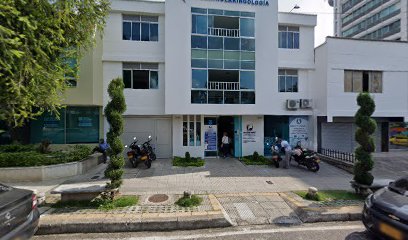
x=249, y=2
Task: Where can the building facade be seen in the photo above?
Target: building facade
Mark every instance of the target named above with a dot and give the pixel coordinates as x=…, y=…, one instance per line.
x=371, y=19
x=196, y=69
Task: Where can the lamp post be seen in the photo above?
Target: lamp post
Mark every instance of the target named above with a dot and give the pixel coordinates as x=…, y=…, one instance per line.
x=294, y=7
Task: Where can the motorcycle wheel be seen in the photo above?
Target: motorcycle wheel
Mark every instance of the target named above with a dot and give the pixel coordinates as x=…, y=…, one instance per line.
x=148, y=163
x=277, y=164
x=134, y=163
x=153, y=156
x=313, y=166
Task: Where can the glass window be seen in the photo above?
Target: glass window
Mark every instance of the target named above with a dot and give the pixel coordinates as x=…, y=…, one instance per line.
x=248, y=65
x=290, y=40
x=248, y=56
x=215, y=64
x=198, y=130
x=199, y=10
x=348, y=81
x=185, y=136
x=359, y=81
x=195, y=53
x=141, y=79
x=214, y=54
x=296, y=40
x=145, y=32
x=288, y=80
x=136, y=31
x=191, y=131
x=215, y=97
x=232, y=55
x=48, y=126
x=201, y=22
x=247, y=44
x=231, y=97
x=198, y=97
x=247, y=97
x=127, y=78
x=199, y=78
x=215, y=43
x=154, y=80
x=288, y=37
x=154, y=32
x=231, y=64
x=127, y=30
x=247, y=27
x=231, y=43
x=198, y=42
x=247, y=80
x=199, y=63
x=82, y=124
x=247, y=14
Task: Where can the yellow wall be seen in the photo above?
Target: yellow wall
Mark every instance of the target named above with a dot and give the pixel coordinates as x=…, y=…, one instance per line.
x=89, y=89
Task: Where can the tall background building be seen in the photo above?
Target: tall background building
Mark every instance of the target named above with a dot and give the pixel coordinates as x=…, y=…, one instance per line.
x=371, y=19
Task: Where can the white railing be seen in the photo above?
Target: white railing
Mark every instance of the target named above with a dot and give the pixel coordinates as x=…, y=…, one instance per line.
x=223, y=32
x=224, y=85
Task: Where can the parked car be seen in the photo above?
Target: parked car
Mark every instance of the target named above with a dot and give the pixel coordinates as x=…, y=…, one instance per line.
x=19, y=215
x=386, y=211
x=399, y=140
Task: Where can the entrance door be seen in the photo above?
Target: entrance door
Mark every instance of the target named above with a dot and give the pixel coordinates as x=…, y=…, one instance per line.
x=237, y=136
x=226, y=125
x=142, y=128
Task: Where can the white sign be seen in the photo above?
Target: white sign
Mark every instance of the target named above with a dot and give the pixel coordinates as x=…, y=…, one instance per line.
x=249, y=134
x=298, y=130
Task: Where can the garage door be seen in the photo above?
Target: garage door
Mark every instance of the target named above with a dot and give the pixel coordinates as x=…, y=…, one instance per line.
x=142, y=128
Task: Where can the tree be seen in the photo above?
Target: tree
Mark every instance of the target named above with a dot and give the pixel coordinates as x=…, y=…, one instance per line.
x=36, y=39
x=113, y=112
x=366, y=127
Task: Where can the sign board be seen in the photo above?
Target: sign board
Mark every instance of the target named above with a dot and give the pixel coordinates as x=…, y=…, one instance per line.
x=298, y=130
x=210, y=137
x=84, y=122
x=247, y=2
x=249, y=134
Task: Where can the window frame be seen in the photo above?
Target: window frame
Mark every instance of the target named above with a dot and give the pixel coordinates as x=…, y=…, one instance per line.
x=351, y=88
x=150, y=70
x=195, y=121
x=140, y=21
x=286, y=75
x=284, y=33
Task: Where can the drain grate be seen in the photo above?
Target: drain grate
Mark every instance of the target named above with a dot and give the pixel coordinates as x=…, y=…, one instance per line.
x=95, y=177
x=269, y=182
x=158, y=198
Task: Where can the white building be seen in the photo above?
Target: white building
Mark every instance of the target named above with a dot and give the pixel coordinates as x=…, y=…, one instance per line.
x=371, y=19
x=194, y=69
x=345, y=67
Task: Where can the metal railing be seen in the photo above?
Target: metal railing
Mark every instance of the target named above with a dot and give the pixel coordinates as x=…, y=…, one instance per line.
x=338, y=155
x=224, y=86
x=223, y=32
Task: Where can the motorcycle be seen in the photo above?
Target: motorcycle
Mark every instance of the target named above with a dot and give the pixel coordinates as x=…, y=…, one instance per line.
x=306, y=158
x=138, y=154
x=149, y=149
x=276, y=157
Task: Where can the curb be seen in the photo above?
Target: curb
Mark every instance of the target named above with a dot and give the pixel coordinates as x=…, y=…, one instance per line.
x=321, y=214
x=108, y=225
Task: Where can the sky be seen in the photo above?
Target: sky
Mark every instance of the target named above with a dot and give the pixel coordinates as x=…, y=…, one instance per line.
x=319, y=7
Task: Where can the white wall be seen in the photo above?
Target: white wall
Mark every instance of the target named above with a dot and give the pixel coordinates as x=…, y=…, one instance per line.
x=258, y=123
x=389, y=57
x=178, y=148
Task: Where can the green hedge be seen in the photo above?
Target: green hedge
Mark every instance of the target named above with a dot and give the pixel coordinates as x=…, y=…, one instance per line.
x=32, y=158
x=256, y=159
x=183, y=162
x=18, y=148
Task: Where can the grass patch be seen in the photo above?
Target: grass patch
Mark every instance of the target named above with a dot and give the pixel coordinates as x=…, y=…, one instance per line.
x=189, y=202
x=331, y=195
x=192, y=162
x=28, y=156
x=101, y=204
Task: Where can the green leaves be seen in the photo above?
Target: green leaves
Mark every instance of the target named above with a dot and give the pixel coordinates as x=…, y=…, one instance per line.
x=35, y=38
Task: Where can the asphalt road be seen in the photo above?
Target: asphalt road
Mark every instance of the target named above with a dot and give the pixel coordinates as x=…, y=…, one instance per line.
x=318, y=231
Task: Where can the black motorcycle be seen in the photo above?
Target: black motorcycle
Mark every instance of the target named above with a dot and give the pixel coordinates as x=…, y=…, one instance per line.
x=276, y=157
x=138, y=154
x=148, y=147
x=306, y=158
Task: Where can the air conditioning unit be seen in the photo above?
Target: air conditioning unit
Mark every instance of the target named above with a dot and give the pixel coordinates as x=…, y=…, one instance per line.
x=306, y=103
x=293, y=104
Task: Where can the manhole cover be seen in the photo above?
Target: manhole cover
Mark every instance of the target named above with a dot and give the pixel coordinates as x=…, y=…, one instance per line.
x=158, y=198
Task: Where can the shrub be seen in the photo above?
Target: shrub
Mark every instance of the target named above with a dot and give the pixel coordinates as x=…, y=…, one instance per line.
x=183, y=162
x=17, y=148
x=113, y=112
x=366, y=127
x=44, y=146
x=255, y=159
x=192, y=201
x=187, y=157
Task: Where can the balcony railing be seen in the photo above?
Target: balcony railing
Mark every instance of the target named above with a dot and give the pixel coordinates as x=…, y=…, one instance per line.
x=223, y=32
x=224, y=86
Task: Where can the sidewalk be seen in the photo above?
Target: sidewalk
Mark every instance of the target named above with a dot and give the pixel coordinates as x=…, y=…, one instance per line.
x=146, y=216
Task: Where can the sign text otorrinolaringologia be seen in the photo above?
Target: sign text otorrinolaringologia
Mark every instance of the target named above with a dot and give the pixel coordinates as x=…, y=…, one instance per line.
x=249, y=2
